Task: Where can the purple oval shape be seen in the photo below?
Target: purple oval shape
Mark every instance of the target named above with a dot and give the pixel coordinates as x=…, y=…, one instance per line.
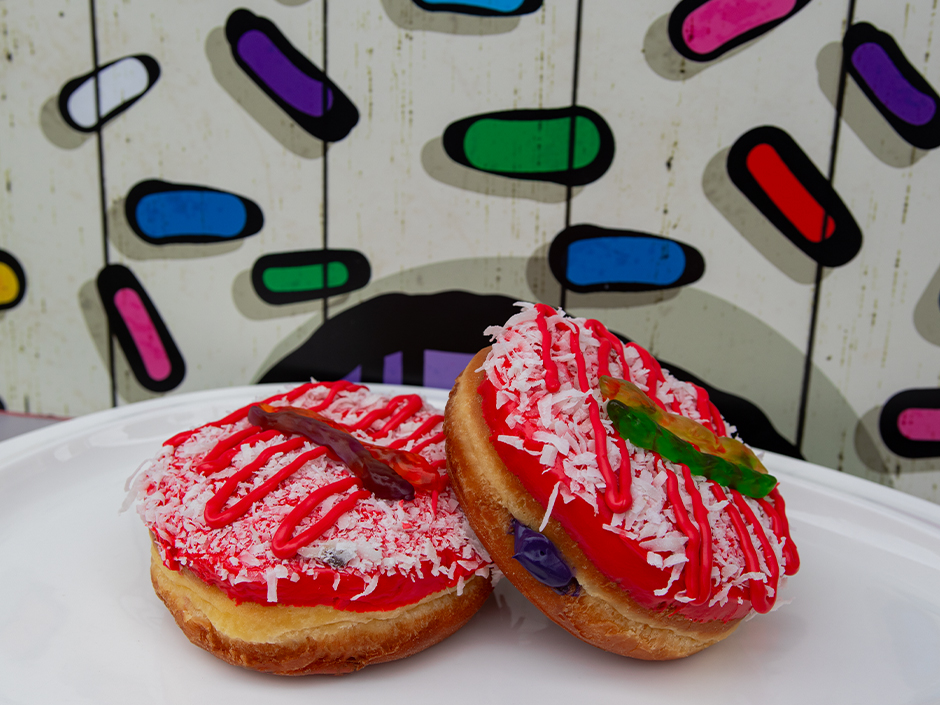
x=890, y=86
x=296, y=88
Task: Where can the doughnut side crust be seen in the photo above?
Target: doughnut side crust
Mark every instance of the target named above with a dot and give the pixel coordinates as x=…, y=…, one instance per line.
x=491, y=495
x=296, y=641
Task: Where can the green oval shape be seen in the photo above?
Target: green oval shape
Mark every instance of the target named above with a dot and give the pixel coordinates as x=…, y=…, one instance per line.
x=305, y=278
x=531, y=146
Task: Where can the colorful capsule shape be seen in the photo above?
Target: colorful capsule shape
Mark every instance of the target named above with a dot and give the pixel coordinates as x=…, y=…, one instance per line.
x=300, y=89
x=485, y=8
x=569, y=146
x=163, y=213
x=12, y=281
x=289, y=277
x=910, y=423
x=895, y=88
x=140, y=331
x=783, y=184
x=587, y=258
x=703, y=30
x=115, y=87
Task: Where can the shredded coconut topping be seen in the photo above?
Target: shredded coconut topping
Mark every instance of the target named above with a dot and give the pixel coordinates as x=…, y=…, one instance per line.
x=412, y=539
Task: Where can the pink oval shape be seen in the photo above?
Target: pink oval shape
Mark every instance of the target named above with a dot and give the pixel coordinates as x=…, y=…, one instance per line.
x=718, y=22
x=144, y=333
x=917, y=424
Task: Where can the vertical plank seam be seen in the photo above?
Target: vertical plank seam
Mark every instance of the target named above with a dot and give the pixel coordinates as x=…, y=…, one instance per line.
x=571, y=128
x=817, y=287
x=103, y=198
x=323, y=102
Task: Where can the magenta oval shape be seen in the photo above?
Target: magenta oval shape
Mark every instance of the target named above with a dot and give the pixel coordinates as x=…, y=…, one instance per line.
x=144, y=333
x=719, y=22
x=919, y=424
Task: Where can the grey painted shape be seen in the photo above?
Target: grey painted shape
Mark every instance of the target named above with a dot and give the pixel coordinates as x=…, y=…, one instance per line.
x=927, y=311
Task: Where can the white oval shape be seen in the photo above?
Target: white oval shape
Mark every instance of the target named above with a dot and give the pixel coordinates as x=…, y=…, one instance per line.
x=119, y=83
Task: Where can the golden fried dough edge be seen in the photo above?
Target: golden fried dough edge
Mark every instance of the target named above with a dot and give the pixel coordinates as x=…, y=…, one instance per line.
x=491, y=495
x=344, y=642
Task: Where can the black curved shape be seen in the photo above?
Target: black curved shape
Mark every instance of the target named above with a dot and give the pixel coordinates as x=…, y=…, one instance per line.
x=18, y=272
x=355, y=265
x=253, y=217
x=626, y=260
x=116, y=281
x=525, y=7
x=153, y=73
x=746, y=166
x=685, y=8
x=330, y=123
x=455, y=134
x=905, y=98
x=392, y=324
x=892, y=420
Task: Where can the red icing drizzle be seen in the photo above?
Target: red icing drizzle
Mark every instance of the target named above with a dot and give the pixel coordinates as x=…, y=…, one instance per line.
x=697, y=573
x=551, y=369
x=391, y=591
x=705, y=534
x=285, y=544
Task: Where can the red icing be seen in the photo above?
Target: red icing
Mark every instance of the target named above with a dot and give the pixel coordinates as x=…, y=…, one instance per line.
x=620, y=559
x=616, y=554
x=305, y=580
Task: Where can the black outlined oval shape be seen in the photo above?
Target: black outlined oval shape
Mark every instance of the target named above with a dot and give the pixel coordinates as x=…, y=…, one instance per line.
x=910, y=423
x=483, y=8
x=570, y=146
x=306, y=275
x=586, y=258
x=115, y=86
x=768, y=166
x=902, y=95
x=12, y=281
x=299, y=88
x=164, y=213
x=148, y=346
x=696, y=35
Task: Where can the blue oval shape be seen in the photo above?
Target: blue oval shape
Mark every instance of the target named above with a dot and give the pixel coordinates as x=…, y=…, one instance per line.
x=162, y=213
x=495, y=8
x=176, y=213
x=633, y=260
x=587, y=258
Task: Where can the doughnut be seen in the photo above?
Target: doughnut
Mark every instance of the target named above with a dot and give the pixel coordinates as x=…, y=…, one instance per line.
x=647, y=544
x=313, y=532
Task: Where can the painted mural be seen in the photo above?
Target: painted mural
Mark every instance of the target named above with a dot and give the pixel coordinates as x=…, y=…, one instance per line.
x=211, y=194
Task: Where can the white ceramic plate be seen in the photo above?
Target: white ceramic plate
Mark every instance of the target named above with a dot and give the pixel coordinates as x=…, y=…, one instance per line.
x=79, y=621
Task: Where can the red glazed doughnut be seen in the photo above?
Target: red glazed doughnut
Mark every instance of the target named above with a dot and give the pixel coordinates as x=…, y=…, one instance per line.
x=626, y=549
x=314, y=532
